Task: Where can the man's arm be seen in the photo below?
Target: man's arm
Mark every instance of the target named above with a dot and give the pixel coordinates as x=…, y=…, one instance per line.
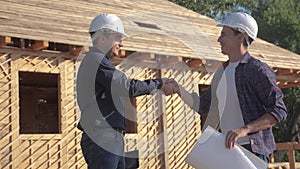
x=272, y=99
x=117, y=83
x=191, y=99
x=262, y=123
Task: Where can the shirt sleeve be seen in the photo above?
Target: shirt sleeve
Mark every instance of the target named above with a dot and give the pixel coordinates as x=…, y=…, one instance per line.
x=269, y=93
x=201, y=104
x=116, y=82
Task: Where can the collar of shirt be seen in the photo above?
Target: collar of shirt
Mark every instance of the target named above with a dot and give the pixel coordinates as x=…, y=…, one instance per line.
x=244, y=60
x=95, y=50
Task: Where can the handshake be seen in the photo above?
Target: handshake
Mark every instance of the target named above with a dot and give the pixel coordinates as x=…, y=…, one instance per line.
x=170, y=86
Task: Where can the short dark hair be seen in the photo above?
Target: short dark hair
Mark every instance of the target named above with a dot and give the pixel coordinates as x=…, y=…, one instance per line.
x=245, y=43
x=104, y=31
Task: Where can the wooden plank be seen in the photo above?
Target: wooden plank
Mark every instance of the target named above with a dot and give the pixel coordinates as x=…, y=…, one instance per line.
x=283, y=165
x=78, y=50
x=39, y=45
x=297, y=146
x=163, y=123
x=283, y=86
x=284, y=71
x=288, y=77
x=14, y=115
x=283, y=146
x=4, y=40
x=292, y=159
x=291, y=152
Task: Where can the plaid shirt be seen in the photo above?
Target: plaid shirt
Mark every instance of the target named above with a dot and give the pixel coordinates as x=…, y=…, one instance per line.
x=258, y=94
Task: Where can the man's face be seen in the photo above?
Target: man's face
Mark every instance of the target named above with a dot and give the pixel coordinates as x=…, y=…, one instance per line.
x=113, y=43
x=228, y=40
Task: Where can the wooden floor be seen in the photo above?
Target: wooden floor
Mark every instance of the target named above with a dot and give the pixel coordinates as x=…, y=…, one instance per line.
x=283, y=165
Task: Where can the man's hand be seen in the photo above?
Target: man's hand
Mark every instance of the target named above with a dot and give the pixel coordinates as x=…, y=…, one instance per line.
x=262, y=123
x=233, y=136
x=169, y=87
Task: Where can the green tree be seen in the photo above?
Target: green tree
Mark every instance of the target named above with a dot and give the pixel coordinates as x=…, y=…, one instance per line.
x=288, y=131
x=216, y=8
x=279, y=22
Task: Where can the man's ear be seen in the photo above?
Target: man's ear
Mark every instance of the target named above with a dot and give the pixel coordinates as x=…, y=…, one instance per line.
x=102, y=39
x=241, y=37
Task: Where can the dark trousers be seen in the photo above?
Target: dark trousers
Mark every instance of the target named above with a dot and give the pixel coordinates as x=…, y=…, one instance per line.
x=104, y=151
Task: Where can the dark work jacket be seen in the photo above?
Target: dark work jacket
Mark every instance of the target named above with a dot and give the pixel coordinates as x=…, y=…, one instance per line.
x=101, y=90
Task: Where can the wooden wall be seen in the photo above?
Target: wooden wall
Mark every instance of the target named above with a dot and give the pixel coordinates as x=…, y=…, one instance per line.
x=37, y=150
x=167, y=129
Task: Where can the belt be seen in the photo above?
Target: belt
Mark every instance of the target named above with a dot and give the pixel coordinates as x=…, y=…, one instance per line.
x=120, y=130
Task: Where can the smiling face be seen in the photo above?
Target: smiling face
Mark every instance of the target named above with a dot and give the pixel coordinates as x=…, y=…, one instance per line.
x=108, y=43
x=229, y=41
x=112, y=44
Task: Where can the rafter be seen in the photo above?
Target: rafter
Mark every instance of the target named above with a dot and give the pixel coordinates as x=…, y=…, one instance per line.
x=289, y=78
x=279, y=71
x=194, y=62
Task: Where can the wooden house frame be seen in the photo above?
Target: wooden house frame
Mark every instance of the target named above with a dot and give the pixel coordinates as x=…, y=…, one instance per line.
x=47, y=37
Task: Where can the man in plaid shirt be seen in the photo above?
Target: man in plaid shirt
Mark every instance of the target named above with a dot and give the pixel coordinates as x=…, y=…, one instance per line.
x=243, y=100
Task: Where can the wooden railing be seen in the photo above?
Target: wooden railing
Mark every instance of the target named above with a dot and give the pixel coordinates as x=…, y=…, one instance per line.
x=290, y=147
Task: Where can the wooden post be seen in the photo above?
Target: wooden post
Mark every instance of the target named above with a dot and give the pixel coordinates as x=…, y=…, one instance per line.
x=162, y=108
x=14, y=113
x=291, y=152
x=292, y=160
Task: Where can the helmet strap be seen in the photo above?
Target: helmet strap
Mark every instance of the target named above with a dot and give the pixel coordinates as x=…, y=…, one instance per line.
x=247, y=39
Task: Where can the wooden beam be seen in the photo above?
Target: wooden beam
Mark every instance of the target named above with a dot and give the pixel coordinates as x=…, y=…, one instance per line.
x=39, y=45
x=77, y=50
x=140, y=57
x=194, y=62
x=4, y=40
x=283, y=71
x=283, y=146
x=289, y=78
x=297, y=146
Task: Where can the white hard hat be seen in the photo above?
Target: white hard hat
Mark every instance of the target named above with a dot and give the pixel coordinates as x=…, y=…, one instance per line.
x=107, y=21
x=243, y=22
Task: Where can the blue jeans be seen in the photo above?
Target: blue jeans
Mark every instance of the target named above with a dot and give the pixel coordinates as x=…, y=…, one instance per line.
x=98, y=155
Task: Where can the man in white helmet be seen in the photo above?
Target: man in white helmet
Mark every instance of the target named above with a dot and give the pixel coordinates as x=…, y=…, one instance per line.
x=101, y=90
x=243, y=100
